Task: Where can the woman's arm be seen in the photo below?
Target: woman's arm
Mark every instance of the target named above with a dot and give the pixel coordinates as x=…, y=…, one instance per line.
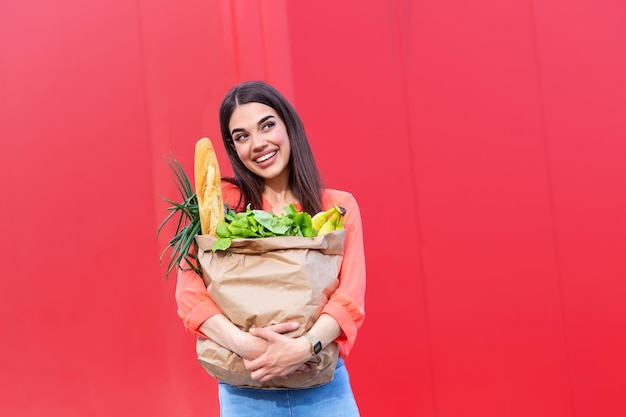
x=219, y=329
x=195, y=305
x=347, y=303
x=202, y=316
x=284, y=355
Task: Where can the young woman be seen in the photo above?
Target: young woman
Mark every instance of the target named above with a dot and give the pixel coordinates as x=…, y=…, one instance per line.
x=273, y=167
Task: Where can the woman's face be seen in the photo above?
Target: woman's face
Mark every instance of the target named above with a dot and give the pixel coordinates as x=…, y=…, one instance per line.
x=261, y=140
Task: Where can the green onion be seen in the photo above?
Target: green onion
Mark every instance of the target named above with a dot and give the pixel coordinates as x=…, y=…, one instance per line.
x=183, y=244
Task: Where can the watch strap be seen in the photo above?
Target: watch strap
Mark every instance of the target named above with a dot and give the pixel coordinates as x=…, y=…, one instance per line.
x=316, y=345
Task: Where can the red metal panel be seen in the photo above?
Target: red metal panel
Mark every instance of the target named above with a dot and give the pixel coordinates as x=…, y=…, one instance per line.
x=483, y=140
x=27, y=47
x=76, y=125
x=486, y=226
x=583, y=67
x=261, y=41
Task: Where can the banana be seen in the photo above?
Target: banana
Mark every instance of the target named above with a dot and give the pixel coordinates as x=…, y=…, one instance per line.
x=320, y=218
x=329, y=220
x=342, y=212
x=330, y=224
x=339, y=224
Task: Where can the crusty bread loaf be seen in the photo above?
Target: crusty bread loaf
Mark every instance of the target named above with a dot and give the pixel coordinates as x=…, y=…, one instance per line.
x=208, y=186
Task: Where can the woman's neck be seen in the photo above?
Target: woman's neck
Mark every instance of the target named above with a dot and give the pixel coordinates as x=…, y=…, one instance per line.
x=278, y=195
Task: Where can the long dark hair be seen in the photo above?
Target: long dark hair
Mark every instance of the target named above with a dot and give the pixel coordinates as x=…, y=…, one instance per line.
x=304, y=179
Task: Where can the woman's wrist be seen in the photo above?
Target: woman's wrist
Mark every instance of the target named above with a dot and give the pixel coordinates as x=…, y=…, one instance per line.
x=326, y=329
x=315, y=345
x=248, y=346
x=221, y=331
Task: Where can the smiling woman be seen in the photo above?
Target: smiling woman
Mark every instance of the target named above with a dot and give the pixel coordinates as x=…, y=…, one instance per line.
x=274, y=168
x=262, y=144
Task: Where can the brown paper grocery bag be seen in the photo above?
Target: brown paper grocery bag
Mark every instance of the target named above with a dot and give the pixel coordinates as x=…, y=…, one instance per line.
x=264, y=281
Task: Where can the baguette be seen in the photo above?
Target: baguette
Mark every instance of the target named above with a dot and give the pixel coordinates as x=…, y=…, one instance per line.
x=208, y=187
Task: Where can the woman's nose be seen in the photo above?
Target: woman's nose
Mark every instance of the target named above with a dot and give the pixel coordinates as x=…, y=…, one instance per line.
x=258, y=142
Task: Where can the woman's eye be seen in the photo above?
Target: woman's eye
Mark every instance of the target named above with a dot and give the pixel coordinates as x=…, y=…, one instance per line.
x=239, y=138
x=268, y=125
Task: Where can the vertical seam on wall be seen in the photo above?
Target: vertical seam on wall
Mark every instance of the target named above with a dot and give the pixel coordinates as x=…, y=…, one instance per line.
x=264, y=43
x=278, y=8
x=400, y=30
x=551, y=202
x=235, y=38
x=66, y=80
x=144, y=99
x=3, y=101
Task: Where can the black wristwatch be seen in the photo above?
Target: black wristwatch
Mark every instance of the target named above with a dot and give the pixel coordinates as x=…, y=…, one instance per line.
x=316, y=345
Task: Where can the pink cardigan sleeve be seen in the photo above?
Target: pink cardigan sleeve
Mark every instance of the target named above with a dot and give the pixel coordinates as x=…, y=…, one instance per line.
x=347, y=304
x=195, y=306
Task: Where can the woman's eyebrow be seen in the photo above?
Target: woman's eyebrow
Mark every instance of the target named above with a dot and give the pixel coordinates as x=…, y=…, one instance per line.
x=260, y=122
x=264, y=119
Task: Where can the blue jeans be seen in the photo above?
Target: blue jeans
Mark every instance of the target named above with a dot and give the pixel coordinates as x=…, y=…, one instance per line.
x=333, y=399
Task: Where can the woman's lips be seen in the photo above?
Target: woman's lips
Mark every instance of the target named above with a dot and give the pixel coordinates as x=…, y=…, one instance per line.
x=265, y=157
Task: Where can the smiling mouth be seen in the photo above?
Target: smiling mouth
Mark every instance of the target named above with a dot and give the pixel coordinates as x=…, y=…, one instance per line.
x=265, y=157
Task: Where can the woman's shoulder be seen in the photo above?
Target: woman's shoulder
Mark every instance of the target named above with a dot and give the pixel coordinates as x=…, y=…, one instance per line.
x=231, y=194
x=229, y=186
x=332, y=196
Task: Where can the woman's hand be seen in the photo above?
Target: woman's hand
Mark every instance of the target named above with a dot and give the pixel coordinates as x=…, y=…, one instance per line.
x=251, y=347
x=220, y=330
x=283, y=355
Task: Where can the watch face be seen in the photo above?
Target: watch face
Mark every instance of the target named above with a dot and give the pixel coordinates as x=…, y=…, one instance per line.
x=316, y=345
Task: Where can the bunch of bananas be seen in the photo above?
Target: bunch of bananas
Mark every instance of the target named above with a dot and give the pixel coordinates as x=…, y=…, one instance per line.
x=329, y=220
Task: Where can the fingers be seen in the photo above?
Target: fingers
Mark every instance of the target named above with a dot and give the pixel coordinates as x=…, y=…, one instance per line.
x=302, y=368
x=283, y=327
x=265, y=374
x=261, y=371
x=283, y=356
x=263, y=333
x=274, y=329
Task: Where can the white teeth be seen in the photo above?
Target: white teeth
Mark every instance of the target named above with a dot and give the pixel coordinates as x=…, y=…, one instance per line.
x=266, y=157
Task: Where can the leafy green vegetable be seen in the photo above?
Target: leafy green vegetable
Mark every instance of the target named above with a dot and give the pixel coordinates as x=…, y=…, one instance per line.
x=259, y=223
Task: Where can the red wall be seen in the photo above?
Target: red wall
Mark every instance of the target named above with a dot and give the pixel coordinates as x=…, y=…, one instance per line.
x=484, y=140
